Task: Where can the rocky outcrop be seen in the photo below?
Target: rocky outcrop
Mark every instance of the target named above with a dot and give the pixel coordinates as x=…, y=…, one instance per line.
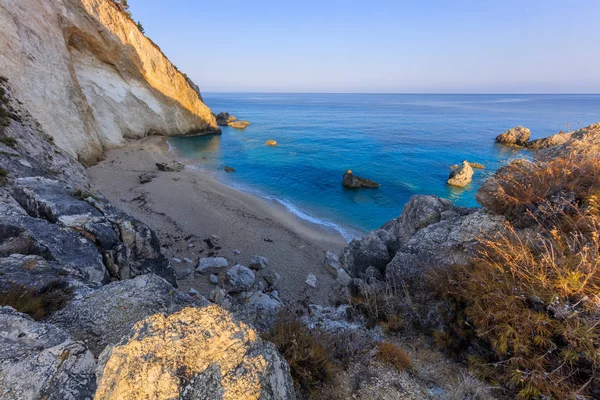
x=352, y=181
x=550, y=141
x=41, y=361
x=223, y=118
x=461, y=176
x=430, y=231
x=102, y=317
x=239, y=124
x=193, y=354
x=91, y=78
x=516, y=136
x=585, y=141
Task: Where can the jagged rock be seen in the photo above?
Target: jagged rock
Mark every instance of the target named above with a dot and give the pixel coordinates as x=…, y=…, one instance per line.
x=32, y=236
x=334, y=267
x=239, y=278
x=211, y=265
x=258, y=309
x=172, y=166
x=584, y=141
x=462, y=176
x=239, y=124
x=147, y=177
x=219, y=357
x=258, y=263
x=352, y=181
x=217, y=295
x=103, y=316
x=516, y=136
x=272, y=278
x=40, y=361
x=550, y=141
x=229, y=169
x=371, y=250
x=311, y=280
x=271, y=142
x=373, y=273
x=193, y=292
x=223, y=119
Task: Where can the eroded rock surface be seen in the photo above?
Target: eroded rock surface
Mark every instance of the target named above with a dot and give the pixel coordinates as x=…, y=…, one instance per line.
x=461, y=176
x=516, y=136
x=193, y=354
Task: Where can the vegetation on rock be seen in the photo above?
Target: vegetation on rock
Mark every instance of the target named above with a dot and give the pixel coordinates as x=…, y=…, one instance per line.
x=37, y=303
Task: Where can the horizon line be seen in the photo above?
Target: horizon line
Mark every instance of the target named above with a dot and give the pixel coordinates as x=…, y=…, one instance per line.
x=403, y=93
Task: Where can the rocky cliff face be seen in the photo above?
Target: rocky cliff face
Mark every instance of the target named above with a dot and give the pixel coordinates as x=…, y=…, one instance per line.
x=91, y=78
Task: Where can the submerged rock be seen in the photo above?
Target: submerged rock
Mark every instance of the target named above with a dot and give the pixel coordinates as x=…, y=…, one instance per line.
x=239, y=124
x=462, y=176
x=41, y=361
x=352, y=181
x=229, y=169
x=193, y=354
x=516, y=136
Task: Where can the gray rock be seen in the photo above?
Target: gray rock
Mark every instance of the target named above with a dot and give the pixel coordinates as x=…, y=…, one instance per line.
x=210, y=265
x=193, y=292
x=103, y=316
x=147, y=177
x=371, y=250
x=221, y=357
x=217, y=295
x=517, y=136
x=258, y=263
x=373, y=273
x=258, y=309
x=171, y=166
x=272, y=278
x=223, y=119
x=462, y=176
x=311, y=280
x=40, y=361
x=214, y=279
x=239, y=278
x=186, y=274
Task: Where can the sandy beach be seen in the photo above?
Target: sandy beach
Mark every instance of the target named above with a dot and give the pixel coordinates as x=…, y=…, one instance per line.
x=188, y=208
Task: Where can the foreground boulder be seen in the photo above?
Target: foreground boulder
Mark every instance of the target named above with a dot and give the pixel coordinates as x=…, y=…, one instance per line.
x=101, y=317
x=193, y=354
x=352, y=181
x=516, y=136
x=40, y=361
x=461, y=176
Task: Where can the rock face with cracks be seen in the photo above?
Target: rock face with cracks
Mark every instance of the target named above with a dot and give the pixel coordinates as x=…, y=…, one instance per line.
x=193, y=354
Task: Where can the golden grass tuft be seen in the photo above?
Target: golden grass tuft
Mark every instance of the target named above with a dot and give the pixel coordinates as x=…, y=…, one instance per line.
x=396, y=357
x=36, y=303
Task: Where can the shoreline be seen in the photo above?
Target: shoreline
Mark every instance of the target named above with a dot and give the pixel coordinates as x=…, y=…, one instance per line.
x=188, y=208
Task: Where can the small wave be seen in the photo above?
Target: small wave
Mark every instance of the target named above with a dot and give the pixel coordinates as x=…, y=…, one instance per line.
x=289, y=206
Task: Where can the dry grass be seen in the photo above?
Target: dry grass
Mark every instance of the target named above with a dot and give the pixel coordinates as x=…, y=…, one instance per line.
x=36, y=303
x=396, y=357
x=533, y=298
x=524, y=186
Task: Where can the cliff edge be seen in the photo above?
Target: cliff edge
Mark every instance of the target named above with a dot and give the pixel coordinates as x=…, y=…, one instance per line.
x=91, y=78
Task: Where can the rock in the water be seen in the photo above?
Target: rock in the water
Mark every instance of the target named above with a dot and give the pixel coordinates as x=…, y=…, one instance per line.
x=211, y=265
x=462, y=176
x=229, y=169
x=258, y=263
x=271, y=142
x=352, y=181
x=193, y=354
x=223, y=119
x=473, y=165
x=40, y=361
x=103, y=316
x=239, y=124
x=311, y=280
x=172, y=166
x=516, y=136
x=239, y=278
x=147, y=177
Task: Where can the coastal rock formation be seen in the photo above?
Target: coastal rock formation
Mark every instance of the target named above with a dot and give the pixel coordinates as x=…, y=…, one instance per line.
x=223, y=119
x=584, y=141
x=193, y=354
x=41, y=361
x=550, y=141
x=271, y=142
x=352, y=181
x=91, y=78
x=239, y=124
x=473, y=165
x=101, y=317
x=462, y=176
x=516, y=136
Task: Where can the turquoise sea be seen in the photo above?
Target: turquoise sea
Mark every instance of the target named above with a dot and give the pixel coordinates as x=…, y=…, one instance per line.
x=406, y=142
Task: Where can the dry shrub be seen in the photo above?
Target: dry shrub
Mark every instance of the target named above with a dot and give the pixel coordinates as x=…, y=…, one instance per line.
x=522, y=186
x=532, y=298
x=391, y=354
x=36, y=303
x=310, y=362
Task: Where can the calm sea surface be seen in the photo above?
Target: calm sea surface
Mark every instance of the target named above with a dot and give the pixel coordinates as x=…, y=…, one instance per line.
x=405, y=142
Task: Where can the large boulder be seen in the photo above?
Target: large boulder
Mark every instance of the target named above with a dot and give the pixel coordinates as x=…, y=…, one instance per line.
x=461, y=176
x=371, y=250
x=585, y=142
x=352, y=181
x=516, y=136
x=40, y=361
x=223, y=119
x=239, y=278
x=193, y=354
x=103, y=316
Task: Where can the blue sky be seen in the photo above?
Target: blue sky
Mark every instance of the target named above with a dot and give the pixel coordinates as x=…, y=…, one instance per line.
x=427, y=46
